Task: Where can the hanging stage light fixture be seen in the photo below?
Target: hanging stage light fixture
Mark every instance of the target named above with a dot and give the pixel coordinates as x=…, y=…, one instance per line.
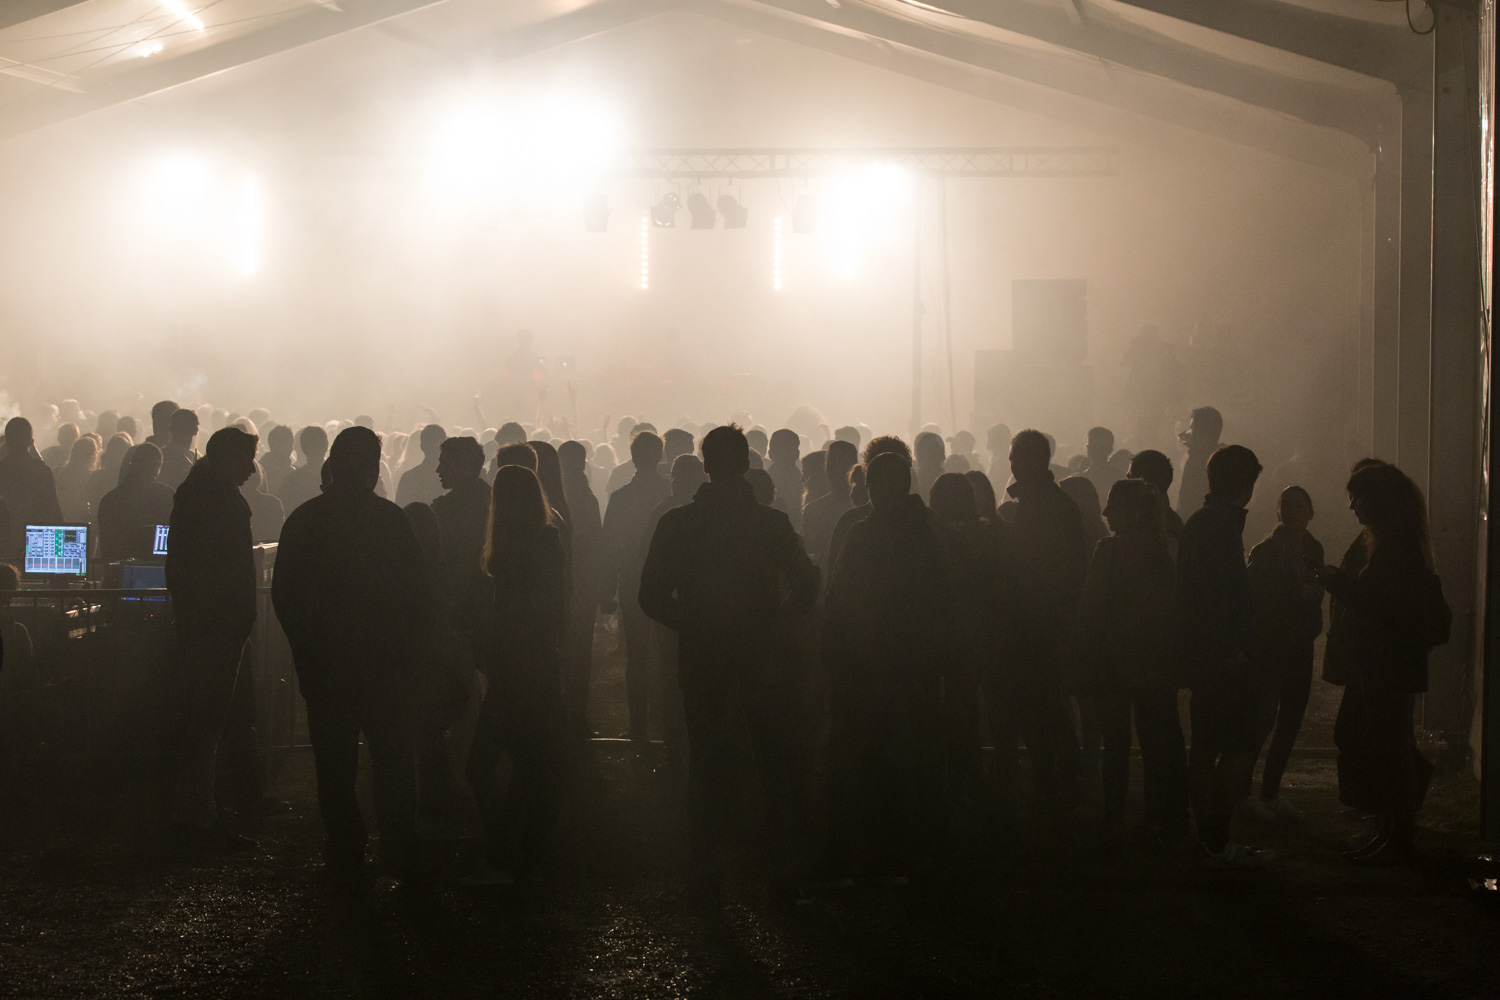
x=664, y=212
x=735, y=214
x=704, y=216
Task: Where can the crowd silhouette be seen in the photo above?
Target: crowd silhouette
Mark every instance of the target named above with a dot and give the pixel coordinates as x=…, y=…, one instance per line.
x=886, y=629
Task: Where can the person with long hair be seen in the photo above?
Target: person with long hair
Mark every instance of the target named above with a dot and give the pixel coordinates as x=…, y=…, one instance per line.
x=73, y=479
x=1397, y=613
x=1128, y=663
x=522, y=714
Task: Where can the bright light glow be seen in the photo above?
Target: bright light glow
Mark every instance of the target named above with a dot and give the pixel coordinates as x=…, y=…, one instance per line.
x=645, y=251
x=491, y=150
x=248, y=226
x=177, y=189
x=177, y=7
x=147, y=49
x=859, y=207
x=776, y=258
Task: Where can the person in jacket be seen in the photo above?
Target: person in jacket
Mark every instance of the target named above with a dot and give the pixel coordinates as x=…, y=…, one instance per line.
x=179, y=453
x=588, y=572
x=1128, y=664
x=72, y=480
x=211, y=577
x=266, y=512
x=821, y=515
x=1156, y=469
x=624, y=527
x=420, y=483
x=27, y=487
x=1217, y=643
x=859, y=498
x=350, y=593
x=1051, y=561
x=882, y=641
x=728, y=575
x=1288, y=618
x=1397, y=614
x=129, y=513
x=785, y=467
x=302, y=483
x=1201, y=439
x=522, y=714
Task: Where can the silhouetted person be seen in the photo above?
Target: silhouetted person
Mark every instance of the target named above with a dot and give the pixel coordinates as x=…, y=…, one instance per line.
x=126, y=425
x=420, y=484
x=786, y=473
x=1356, y=781
x=968, y=635
x=687, y=476
x=522, y=715
x=1051, y=556
x=961, y=457
x=277, y=463
x=161, y=423
x=674, y=442
x=211, y=577
x=1156, y=469
x=1397, y=613
x=716, y=573
x=26, y=486
x=821, y=516
x=1128, y=664
x=622, y=473
x=984, y=494
x=930, y=452
x=883, y=445
x=1201, y=439
x=814, y=479
x=625, y=522
x=305, y=481
x=72, y=480
x=107, y=476
x=180, y=454
x=266, y=512
x=350, y=592
x=1080, y=489
x=883, y=627
x=1288, y=618
x=1101, y=470
x=591, y=585
x=762, y=486
x=129, y=513
x=57, y=455
x=849, y=434
x=1217, y=640
x=463, y=517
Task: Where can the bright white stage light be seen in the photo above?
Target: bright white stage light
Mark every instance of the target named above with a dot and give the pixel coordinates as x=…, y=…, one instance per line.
x=147, y=49
x=180, y=9
x=858, y=207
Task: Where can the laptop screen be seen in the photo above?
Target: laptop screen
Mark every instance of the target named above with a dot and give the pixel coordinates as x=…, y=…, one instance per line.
x=159, y=540
x=57, y=550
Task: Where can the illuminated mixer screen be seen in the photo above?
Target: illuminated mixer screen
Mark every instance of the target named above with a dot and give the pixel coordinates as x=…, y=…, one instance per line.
x=57, y=550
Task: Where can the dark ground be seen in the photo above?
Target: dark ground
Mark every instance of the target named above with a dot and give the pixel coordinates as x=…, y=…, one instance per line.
x=88, y=908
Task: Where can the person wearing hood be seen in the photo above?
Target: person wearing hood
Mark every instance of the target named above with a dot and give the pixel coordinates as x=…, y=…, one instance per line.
x=211, y=577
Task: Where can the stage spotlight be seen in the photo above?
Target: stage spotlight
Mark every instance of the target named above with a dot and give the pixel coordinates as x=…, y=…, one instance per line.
x=595, y=214
x=702, y=212
x=735, y=214
x=805, y=214
x=664, y=212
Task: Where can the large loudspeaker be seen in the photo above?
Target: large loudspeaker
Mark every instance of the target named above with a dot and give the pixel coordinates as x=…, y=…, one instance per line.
x=1049, y=321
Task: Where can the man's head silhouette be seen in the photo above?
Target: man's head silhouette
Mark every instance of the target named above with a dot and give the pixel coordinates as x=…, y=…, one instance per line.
x=516, y=454
x=785, y=447
x=726, y=453
x=143, y=464
x=161, y=415
x=842, y=457
x=1101, y=445
x=314, y=443
x=460, y=460
x=676, y=442
x=888, y=478
x=953, y=498
x=354, y=460
x=687, y=476
x=183, y=428
x=930, y=450
x=18, y=435
x=280, y=440
x=432, y=438
x=1154, y=467
x=1030, y=455
x=230, y=454
x=646, y=450
x=1232, y=472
